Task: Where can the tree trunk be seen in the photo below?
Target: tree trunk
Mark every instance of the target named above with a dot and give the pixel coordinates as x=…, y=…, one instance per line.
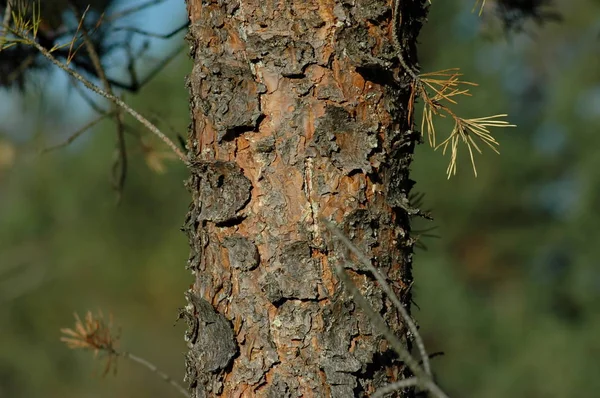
x=297, y=116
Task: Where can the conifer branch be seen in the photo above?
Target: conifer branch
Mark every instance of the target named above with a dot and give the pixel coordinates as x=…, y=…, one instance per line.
x=25, y=31
x=95, y=334
x=155, y=130
x=438, y=90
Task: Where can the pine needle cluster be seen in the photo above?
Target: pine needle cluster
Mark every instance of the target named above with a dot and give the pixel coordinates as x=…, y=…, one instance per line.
x=96, y=334
x=439, y=90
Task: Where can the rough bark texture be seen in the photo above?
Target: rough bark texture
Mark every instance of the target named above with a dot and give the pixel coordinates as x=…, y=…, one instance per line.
x=296, y=116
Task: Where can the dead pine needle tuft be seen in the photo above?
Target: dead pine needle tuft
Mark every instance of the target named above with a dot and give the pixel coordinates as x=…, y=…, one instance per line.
x=439, y=91
x=96, y=334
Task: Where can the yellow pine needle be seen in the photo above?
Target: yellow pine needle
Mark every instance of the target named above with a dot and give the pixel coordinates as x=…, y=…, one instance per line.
x=464, y=131
x=72, y=52
x=93, y=333
x=429, y=110
x=445, y=84
x=480, y=8
x=36, y=18
x=442, y=72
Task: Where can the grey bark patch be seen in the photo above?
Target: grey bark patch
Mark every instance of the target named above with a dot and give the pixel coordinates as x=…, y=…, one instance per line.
x=281, y=388
x=212, y=345
x=294, y=275
x=336, y=360
x=228, y=96
x=266, y=145
x=370, y=10
x=278, y=388
x=302, y=87
x=329, y=91
x=282, y=52
x=347, y=142
x=358, y=45
x=358, y=227
x=374, y=59
x=190, y=227
x=257, y=336
x=253, y=371
x=396, y=181
x=243, y=254
x=222, y=189
x=288, y=150
x=293, y=322
x=276, y=201
x=343, y=391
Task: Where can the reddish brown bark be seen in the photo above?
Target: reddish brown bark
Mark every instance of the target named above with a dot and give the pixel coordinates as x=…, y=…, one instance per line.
x=296, y=117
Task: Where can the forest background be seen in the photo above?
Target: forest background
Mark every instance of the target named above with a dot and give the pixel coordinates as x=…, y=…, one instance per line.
x=509, y=292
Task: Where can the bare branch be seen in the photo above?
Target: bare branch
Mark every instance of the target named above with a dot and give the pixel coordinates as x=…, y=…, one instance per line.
x=5, y=23
x=405, y=383
x=132, y=10
x=156, y=370
x=120, y=165
x=108, y=96
x=95, y=334
x=388, y=290
x=76, y=134
x=423, y=378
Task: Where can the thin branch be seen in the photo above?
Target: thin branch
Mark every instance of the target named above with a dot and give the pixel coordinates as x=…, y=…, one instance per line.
x=156, y=370
x=480, y=8
x=405, y=383
x=388, y=290
x=150, y=34
x=379, y=323
x=424, y=379
x=76, y=134
x=121, y=162
x=5, y=23
x=95, y=334
x=396, y=23
x=85, y=94
x=133, y=10
x=120, y=14
x=108, y=96
x=135, y=83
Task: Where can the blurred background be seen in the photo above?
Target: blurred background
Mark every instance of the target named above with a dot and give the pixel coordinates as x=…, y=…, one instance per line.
x=509, y=292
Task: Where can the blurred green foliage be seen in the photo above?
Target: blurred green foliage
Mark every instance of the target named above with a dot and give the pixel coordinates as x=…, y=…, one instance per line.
x=65, y=247
x=509, y=293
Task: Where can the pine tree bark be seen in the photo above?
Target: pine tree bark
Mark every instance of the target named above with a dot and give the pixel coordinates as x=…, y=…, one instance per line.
x=298, y=115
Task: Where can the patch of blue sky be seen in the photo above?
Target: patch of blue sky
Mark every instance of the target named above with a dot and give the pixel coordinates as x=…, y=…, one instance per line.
x=53, y=85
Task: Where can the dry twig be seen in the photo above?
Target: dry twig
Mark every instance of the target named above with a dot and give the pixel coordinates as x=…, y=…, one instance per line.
x=95, y=334
x=438, y=90
x=422, y=374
